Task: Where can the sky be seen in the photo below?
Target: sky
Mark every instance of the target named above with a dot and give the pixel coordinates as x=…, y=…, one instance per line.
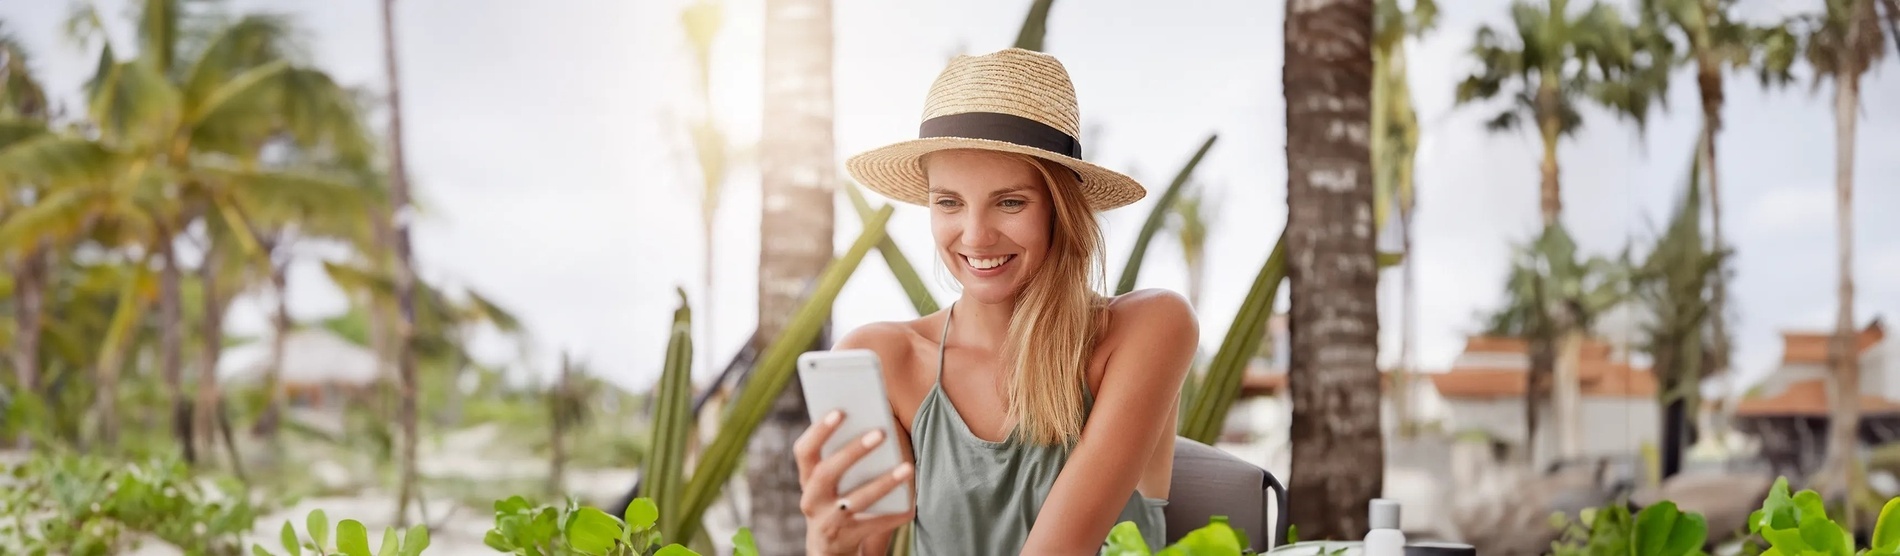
x=545, y=143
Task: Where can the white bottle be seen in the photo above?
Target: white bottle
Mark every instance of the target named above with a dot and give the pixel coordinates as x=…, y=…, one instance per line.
x=1385, y=538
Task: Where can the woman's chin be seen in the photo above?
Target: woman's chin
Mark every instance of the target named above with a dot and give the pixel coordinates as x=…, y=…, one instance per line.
x=989, y=294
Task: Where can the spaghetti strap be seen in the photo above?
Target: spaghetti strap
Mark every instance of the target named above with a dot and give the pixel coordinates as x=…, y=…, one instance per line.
x=944, y=337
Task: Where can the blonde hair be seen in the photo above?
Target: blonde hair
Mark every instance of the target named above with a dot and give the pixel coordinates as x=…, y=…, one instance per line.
x=1058, y=318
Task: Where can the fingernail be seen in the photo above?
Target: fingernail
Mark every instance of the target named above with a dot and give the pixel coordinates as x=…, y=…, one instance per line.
x=902, y=472
x=873, y=438
x=834, y=417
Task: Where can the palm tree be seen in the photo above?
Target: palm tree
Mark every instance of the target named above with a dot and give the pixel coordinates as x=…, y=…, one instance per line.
x=1338, y=457
x=404, y=270
x=796, y=168
x=1551, y=299
x=1189, y=219
x=702, y=21
x=23, y=107
x=1675, y=282
x=1843, y=43
x=1554, y=60
x=178, y=141
x=1394, y=145
x=1715, y=42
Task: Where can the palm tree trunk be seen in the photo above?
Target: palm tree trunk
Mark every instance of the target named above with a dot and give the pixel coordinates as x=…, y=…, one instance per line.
x=29, y=285
x=798, y=177
x=405, y=277
x=171, y=329
x=204, y=414
x=1408, y=330
x=1709, y=80
x=1338, y=453
x=112, y=351
x=1566, y=402
x=268, y=423
x=1844, y=423
x=1550, y=194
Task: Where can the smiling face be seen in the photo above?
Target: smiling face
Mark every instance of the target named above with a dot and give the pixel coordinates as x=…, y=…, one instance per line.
x=991, y=215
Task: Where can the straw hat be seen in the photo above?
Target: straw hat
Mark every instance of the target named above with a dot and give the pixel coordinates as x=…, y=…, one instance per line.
x=1014, y=100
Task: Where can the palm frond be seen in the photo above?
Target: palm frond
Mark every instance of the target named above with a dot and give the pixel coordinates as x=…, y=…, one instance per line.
x=254, y=41
x=60, y=215
x=58, y=160
x=324, y=204
x=20, y=92
x=134, y=105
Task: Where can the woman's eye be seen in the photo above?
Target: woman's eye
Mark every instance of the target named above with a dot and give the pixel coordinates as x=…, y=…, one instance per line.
x=1014, y=203
x=947, y=203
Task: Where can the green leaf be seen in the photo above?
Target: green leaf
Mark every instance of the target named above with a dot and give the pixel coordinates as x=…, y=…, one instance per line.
x=289, y=537
x=742, y=543
x=774, y=371
x=1662, y=530
x=512, y=505
x=416, y=540
x=390, y=543
x=319, y=526
x=1132, y=268
x=642, y=514
x=1125, y=540
x=592, y=531
x=258, y=550
x=1887, y=527
x=494, y=540
x=352, y=539
x=675, y=550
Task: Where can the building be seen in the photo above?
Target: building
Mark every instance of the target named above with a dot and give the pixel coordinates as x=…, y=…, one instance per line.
x=1485, y=386
x=1788, y=409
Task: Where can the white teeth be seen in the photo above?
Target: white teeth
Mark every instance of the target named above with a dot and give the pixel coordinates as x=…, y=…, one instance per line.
x=986, y=264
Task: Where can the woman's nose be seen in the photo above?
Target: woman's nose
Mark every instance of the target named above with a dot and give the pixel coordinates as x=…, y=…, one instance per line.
x=979, y=230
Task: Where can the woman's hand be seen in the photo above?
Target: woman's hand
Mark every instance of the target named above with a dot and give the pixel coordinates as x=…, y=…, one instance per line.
x=832, y=526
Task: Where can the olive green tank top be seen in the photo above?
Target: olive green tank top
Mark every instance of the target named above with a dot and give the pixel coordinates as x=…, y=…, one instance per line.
x=980, y=498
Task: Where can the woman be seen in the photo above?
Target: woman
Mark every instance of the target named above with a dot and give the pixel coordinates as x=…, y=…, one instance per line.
x=1037, y=413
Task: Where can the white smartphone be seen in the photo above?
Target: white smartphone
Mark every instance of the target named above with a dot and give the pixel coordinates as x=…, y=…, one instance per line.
x=852, y=381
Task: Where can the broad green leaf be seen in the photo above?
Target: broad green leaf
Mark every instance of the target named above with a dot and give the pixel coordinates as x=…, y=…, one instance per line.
x=1823, y=536
x=390, y=544
x=642, y=514
x=352, y=539
x=591, y=531
x=1132, y=268
x=1125, y=540
x=1887, y=527
x=416, y=540
x=720, y=459
x=494, y=540
x=258, y=550
x=1657, y=534
x=319, y=526
x=289, y=537
x=675, y=550
x=514, y=504
x=742, y=543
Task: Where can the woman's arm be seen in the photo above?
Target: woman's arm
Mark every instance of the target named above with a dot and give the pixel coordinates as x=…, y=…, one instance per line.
x=1153, y=335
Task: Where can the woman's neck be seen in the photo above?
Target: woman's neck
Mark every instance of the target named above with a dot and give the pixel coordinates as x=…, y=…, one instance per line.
x=982, y=324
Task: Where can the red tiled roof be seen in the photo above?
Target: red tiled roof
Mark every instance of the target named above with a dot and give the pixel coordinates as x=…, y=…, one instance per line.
x=1811, y=347
x=1806, y=398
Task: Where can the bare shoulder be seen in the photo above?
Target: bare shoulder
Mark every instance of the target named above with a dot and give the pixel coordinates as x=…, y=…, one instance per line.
x=1154, y=312
x=894, y=342
x=1152, y=328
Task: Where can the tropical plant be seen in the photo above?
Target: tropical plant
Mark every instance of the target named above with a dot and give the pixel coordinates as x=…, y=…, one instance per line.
x=1675, y=281
x=1394, y=146
x=1657, y=530
x=1552, y=297
x=85, y=504
x=1715, y=41
x=1551, y=61
x=1799, y=524
x=1157, y=217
